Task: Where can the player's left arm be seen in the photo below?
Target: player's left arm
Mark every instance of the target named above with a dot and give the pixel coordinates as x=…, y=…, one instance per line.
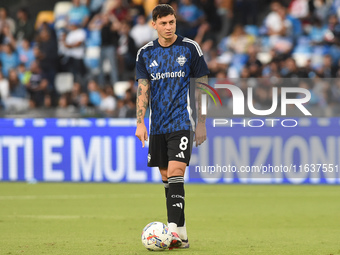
x=201, y=131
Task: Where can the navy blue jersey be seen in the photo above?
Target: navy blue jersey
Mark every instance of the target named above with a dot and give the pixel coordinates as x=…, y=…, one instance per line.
x=169, y=70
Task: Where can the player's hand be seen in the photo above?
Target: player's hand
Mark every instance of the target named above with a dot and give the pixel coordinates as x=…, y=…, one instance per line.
x=142, y=133
x=200, y=134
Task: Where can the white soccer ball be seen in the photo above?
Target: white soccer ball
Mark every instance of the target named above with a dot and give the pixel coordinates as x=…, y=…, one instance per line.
x=156, y=236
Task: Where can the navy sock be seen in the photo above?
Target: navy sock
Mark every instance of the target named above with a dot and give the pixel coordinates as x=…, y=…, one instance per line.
x=175, y=199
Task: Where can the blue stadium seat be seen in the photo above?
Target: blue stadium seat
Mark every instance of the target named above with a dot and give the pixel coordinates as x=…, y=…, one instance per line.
x=252, y=30
x=92, y=56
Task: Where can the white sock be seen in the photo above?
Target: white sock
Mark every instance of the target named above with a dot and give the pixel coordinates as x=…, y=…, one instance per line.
x=173, y=227
x=182, y=232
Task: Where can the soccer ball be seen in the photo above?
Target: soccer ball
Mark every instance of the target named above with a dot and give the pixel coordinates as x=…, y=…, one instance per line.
x=156, y=236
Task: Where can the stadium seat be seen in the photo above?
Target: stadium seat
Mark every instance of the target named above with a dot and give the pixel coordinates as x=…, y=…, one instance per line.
x=64, y=82
x=264, y=57
x=120, y=88
x=303, y=49
x=92, y=56
x=60, y=11
x=252, y=30
x=301, y=58
x=44, y=16
x=62, y=8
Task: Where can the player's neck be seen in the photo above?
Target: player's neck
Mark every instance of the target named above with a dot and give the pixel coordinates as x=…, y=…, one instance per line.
x=167, y=42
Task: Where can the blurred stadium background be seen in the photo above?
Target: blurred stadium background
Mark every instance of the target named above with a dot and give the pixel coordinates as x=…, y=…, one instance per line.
x=67, y=108
x=76, y=58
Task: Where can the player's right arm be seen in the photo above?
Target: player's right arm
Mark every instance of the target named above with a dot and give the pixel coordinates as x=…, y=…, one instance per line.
x=142, y=104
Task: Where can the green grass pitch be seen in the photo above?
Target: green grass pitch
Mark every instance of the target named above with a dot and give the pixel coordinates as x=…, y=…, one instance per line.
x=54, y=218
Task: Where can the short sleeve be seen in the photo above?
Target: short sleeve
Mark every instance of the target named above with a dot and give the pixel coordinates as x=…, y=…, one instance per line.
x=141, y=72
x=198, y=66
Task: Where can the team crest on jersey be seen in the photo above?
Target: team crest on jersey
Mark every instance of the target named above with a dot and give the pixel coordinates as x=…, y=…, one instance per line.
x=181, y=60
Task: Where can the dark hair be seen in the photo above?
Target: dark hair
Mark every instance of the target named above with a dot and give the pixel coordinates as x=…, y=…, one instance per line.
x=162, y=10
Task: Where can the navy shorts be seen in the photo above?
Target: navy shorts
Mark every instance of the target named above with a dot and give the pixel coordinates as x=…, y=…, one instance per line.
x=175, y=146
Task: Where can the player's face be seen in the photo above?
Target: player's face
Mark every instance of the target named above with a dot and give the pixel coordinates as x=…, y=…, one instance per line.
x=165, y=26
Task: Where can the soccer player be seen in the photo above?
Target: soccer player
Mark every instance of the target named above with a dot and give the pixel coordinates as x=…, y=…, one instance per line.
x=163, y=70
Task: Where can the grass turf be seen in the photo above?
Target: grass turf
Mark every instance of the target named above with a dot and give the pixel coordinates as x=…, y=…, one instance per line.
x=52, y=218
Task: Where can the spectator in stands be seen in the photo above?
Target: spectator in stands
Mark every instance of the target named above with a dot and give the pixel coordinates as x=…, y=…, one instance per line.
x=253, y=63
x=136, y=9
x=271, y=69
x=79, y=14
x=212, y=17
x=189, y=18
x=333, y=33
x=24, y=28
x=335, y=8
x=246, y=11
x=75, y=44
x=47, y=54
x=6, y=36
x=120, y=11
x=238, y=42
x=25, y=53
x=65, y=108
x=16, y=100
x=17, y=89
x=94, y=94
x=109, y=91
x=225, y=11
x=263, y=98
x=282, y=28
x=37, y=86
x=308, y=85
x=86, y=108
x=328, y=70
x=108, y=26
x=96, y=6
x=4, y=88
x=22, y=73
x=142, y=33
x=126, y=107
x=127, y=50
x=107, y=104
x=273, y=23
x=5, y=20
x=9, y=59
x=321, y=9
x=299, y=9
x=317, y=32
x=292, y=26
x=291, y=70
x=75, y=94
x=336, y=93
x=63, y=101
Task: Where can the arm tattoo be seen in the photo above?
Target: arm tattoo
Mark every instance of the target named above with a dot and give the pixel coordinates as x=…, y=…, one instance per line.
x=142, y=98
x=144, y=82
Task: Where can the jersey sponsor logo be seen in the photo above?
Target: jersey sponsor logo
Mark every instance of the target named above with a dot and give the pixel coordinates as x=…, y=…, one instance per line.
x=153, y=64
x=181, y=60
x=159, y=76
